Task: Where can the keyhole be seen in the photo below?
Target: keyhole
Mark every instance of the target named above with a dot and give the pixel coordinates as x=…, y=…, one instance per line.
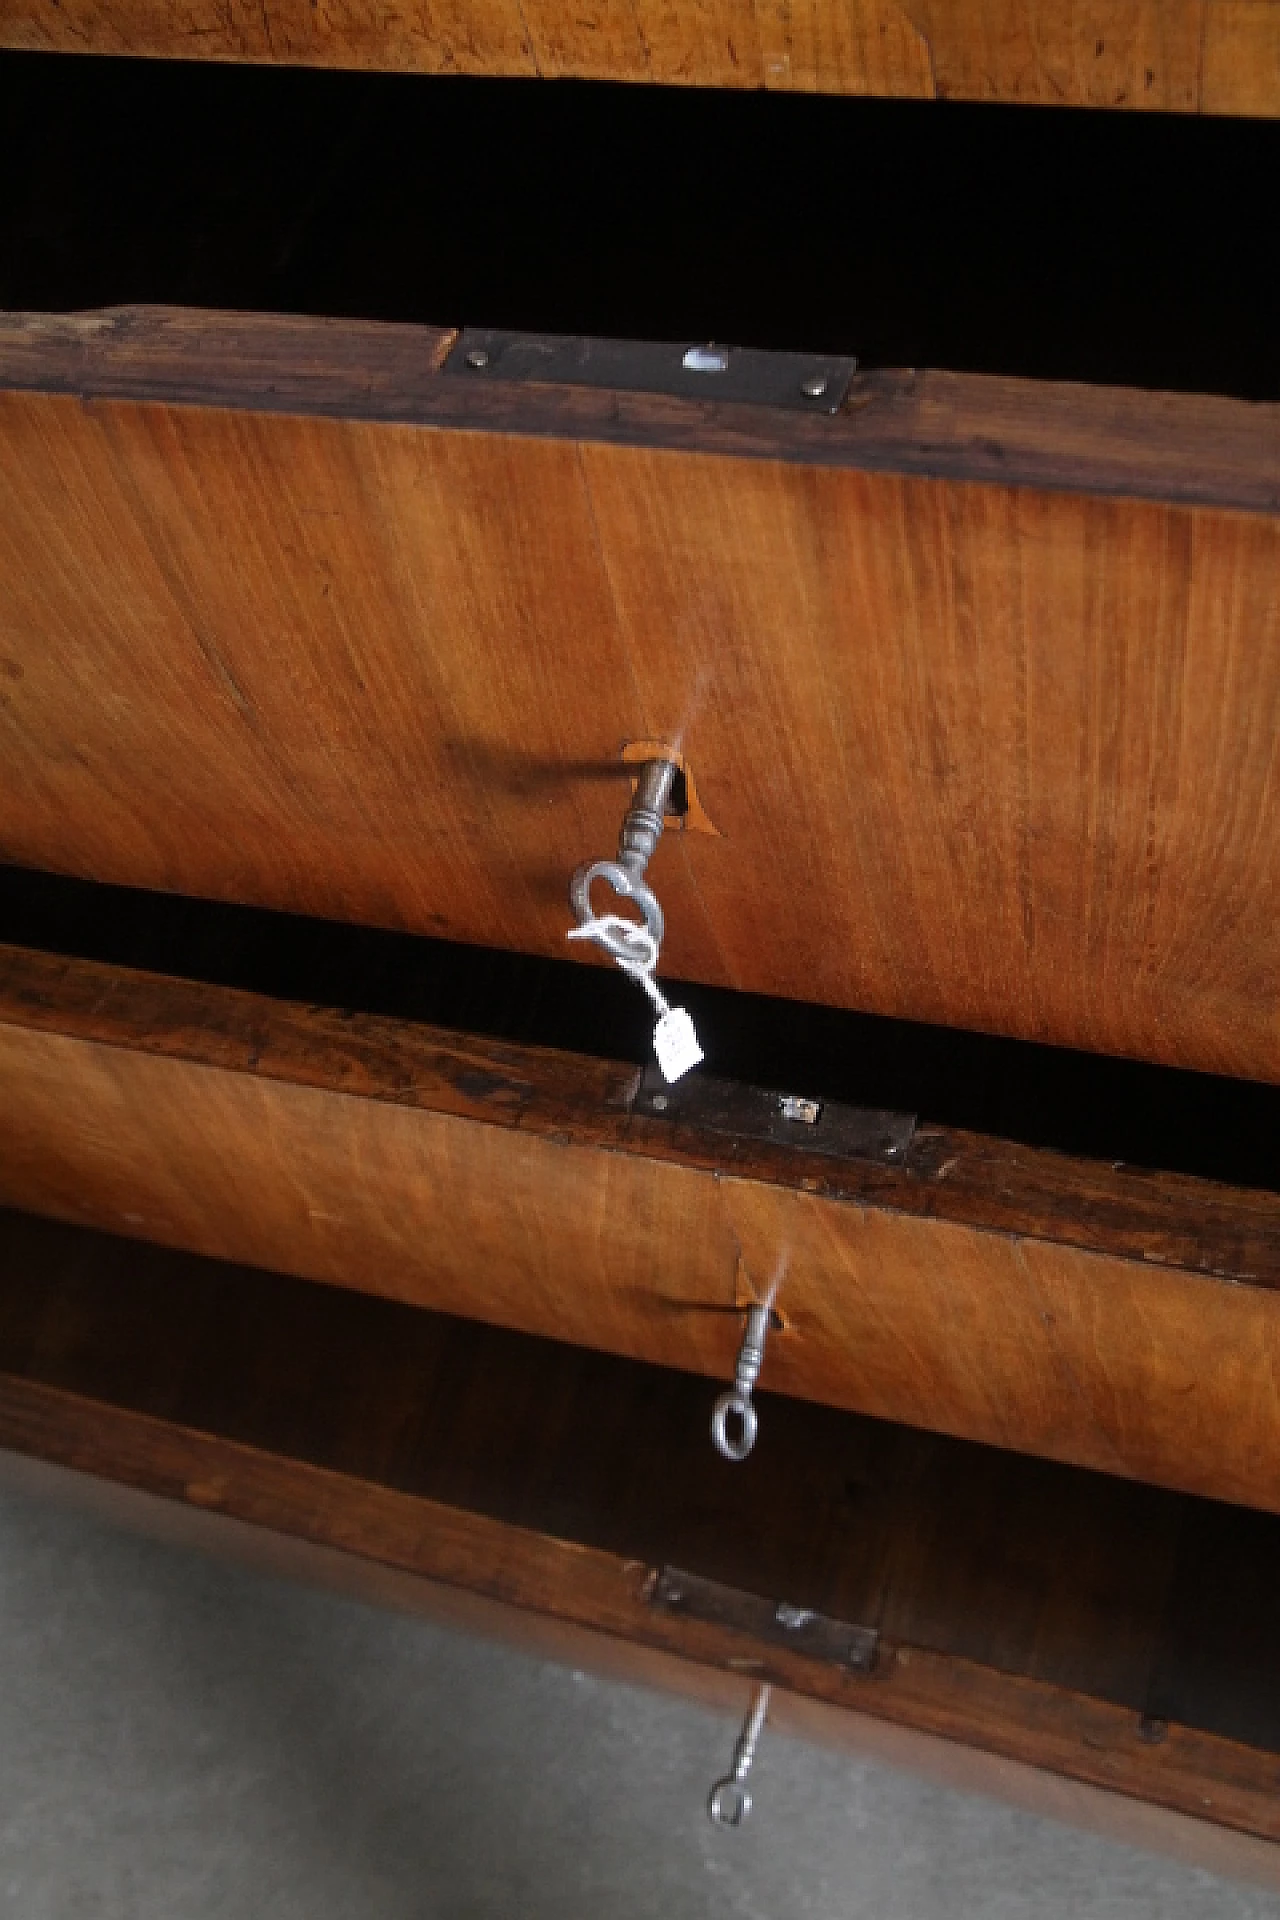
x=684, y=805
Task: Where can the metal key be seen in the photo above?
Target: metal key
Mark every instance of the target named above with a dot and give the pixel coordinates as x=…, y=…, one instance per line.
x=730, y=1799
x=641, y=832
x=737, y=1401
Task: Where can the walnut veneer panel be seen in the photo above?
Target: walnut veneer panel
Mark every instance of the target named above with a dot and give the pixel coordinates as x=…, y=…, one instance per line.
x=1088, y=1314
x=1182, y=56
x=981, y=755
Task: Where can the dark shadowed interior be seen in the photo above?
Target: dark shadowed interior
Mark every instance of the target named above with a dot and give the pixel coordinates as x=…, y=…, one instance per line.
x=1129, y=249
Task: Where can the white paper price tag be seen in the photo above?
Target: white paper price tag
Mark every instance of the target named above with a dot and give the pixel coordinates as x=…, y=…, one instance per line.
x=676, y=1044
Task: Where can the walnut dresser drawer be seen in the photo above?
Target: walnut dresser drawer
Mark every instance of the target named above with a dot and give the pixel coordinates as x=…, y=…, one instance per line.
x=975, y=677
x=1064, y=1306
x=379, y=508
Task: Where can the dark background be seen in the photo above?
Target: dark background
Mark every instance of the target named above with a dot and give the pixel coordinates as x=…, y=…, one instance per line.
x=1121, y=248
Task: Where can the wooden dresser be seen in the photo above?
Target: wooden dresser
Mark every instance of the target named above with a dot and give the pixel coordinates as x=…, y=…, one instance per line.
x=378, y=500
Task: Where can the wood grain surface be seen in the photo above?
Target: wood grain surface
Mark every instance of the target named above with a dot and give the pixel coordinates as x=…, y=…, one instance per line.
x=1063, y=1308
x=1179, y=56
x=979, y=755
x=1023, y=1610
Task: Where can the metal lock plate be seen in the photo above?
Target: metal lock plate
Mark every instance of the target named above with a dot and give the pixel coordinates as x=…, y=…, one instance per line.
x=837, y=1643
x=784, y=1119
x=803, y=382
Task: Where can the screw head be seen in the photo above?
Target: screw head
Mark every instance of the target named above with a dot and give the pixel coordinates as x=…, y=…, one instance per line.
x=815, y=386
x=708, y=359
x=478, y=358
x=660, y=1103
x=793, y=1618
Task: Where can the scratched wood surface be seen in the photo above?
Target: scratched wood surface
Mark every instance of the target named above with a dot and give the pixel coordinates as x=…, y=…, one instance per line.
x=1069, y=1309
x=1179, y=56
x=1024, y=1610
x=980, y=755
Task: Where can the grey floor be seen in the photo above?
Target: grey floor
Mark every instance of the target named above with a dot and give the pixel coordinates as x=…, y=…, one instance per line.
x=183, y=1739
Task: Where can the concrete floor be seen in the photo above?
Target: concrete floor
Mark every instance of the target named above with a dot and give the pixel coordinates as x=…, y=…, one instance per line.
x=182, y=1739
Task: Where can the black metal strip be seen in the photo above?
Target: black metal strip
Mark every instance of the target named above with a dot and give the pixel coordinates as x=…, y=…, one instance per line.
x=837, y=1643
x=784, y=1119
x=804, y=382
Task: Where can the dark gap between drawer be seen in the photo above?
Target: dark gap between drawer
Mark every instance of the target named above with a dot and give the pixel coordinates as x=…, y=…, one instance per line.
x=1073, y=1578
x=1128, y=249
x=1081, y=1103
